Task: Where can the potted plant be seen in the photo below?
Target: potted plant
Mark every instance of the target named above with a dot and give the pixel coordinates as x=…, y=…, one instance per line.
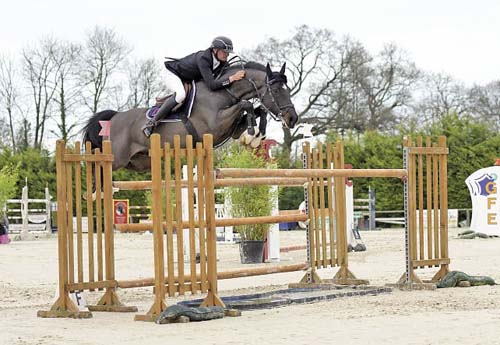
x=248, y=201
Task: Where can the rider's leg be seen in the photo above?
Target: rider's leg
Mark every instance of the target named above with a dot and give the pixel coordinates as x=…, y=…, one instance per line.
x=173, y=83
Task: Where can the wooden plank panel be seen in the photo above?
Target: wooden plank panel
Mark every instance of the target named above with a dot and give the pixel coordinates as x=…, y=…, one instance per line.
x=92, y=285
x=317, y=211
x=109, y=243
x=72, y=157
x=62, y=220
x=430, y=262
x=156, y=195
x=443, y=193
x=78, y=199
x=428, y=150
x=69, y=200
x=98, y=213
x=190, y=196
x=168, y=218
x=200, y=182
x=420, y=187
x=340, y=208
x=178, y=212
x=412, y=197
x=331, y=202
x=322, y=184
x=435, y=194
x=428, y=166
x=90, y=216
x=212, y=297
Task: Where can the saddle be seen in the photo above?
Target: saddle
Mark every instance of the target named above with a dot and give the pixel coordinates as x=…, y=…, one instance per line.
x=182, y=111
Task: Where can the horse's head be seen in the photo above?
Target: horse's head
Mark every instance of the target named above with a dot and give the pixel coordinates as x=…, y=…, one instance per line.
x=277, y=97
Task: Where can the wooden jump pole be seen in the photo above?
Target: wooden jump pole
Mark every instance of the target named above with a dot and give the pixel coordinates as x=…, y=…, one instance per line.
x=309, y=173
x=233, y=182
x=134, y=283
x=148, y=226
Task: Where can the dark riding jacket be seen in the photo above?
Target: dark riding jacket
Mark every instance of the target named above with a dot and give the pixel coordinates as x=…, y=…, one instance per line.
x=198, y=66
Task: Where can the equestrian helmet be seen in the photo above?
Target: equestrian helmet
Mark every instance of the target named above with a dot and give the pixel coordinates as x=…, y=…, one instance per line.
x=223, y=43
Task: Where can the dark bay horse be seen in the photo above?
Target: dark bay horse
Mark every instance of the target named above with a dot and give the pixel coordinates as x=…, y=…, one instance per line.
x=219, y=113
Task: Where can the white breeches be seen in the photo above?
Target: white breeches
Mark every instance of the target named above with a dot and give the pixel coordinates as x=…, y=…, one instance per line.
x=174, y=84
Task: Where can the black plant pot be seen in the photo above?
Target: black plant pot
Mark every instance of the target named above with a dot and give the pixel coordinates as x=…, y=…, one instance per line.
x=251, y=252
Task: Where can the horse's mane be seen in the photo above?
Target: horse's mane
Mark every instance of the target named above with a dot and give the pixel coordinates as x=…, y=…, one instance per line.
x=246, y=65
x=255, y=65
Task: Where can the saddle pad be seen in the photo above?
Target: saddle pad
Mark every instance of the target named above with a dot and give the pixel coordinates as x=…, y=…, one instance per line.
x=183, y=112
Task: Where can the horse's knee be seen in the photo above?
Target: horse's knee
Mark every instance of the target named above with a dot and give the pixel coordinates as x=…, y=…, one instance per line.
x=246, y=105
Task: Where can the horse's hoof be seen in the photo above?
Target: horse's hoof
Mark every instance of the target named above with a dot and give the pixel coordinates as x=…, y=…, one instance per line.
x=248, y=139
x=256, y=142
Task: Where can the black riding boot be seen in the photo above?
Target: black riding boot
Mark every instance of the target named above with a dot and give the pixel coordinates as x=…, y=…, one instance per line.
x=164, y=110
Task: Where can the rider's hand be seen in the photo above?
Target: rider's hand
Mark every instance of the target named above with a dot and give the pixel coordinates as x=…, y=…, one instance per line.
x=237, y=76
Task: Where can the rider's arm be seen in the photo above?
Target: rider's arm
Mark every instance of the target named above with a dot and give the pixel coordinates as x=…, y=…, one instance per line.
x=205, y=66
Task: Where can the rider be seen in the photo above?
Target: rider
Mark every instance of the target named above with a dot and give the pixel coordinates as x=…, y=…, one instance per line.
x=205, y=64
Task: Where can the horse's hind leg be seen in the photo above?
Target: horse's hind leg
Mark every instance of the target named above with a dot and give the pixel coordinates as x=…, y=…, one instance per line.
x=140, y=162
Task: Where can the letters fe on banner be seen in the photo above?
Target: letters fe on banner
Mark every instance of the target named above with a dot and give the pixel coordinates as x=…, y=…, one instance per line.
x=483, y=188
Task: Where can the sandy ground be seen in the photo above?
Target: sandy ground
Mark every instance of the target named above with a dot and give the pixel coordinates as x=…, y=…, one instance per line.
x=28, y=276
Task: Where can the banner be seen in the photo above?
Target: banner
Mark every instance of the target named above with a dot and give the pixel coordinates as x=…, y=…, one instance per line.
x=483, y=188
x=120, y=211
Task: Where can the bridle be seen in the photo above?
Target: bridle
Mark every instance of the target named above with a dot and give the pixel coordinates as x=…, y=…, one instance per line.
x=269, y=90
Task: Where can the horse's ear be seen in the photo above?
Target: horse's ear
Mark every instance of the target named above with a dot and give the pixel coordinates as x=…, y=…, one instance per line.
x=268, y=71
x=282, y=71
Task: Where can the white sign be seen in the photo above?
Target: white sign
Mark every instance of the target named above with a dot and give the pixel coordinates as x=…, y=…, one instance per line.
x=452, y=217
x=78, y=297
x=483, y=188
x=85, y=224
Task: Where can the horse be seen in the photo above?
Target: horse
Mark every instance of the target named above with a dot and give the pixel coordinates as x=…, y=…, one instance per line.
x=220, y=113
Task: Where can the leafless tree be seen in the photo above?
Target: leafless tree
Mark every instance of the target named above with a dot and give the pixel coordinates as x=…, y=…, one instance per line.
x=485, y=102
x=387, y=84
x=9, y=93
x=315, y=63
x=441, y=94
x=24, y=135
x=102, y=55
x=66, y=57
x=144, y=82
x=336, y=84
x=343, y=106
x=41, y=72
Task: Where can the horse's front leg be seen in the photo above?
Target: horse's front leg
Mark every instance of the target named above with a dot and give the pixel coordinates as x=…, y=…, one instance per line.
x=247, y=107
x=262, y=115
x=251, y=122
x=227, y=117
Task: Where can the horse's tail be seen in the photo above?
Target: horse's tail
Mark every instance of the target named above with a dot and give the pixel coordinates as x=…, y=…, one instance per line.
x=92, y=128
